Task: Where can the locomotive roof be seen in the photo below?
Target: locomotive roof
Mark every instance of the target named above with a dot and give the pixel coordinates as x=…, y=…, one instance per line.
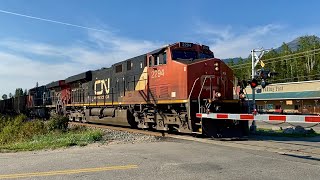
x=36, y=88
x=53, y=84
x=82, y=76
x=158, y=50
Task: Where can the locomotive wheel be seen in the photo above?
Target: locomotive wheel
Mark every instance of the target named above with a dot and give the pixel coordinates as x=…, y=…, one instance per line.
x=131, y=118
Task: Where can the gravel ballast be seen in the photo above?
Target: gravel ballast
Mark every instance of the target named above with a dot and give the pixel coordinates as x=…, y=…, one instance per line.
x=120, y=137
x=111, y=136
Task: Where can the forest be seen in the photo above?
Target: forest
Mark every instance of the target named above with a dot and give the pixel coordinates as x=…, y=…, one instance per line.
x=298, y=60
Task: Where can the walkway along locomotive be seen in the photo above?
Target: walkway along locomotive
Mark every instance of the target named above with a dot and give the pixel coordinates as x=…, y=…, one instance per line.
x=161, y=90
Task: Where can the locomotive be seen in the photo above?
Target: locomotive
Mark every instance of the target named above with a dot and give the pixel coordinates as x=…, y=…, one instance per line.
x=161, y=90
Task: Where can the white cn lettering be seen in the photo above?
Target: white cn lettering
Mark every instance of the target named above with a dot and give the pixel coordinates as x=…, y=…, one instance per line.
x=104, y=85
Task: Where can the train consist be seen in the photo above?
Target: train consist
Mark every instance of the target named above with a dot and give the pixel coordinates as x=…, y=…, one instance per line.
x=161, y=90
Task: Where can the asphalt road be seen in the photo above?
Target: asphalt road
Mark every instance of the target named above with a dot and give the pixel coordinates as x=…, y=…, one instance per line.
x=172, y=159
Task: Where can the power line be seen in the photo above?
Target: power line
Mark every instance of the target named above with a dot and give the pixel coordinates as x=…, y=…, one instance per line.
x=281, y=58
x=266, y=61
x=249, y=65
x=52, y=21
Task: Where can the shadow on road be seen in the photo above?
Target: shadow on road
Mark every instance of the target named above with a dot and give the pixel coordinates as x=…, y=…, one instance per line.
x=303, y=157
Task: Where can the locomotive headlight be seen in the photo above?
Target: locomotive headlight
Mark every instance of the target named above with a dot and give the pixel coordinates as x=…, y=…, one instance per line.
x=218, y=94
x=216, y=68
x=216, y=64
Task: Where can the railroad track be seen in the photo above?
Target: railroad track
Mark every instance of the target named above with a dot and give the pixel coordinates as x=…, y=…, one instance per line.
x=251, y=143
x=119, y=128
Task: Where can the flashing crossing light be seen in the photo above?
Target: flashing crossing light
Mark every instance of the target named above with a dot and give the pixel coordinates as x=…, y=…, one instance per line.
x=264, y=75
x=253, y=83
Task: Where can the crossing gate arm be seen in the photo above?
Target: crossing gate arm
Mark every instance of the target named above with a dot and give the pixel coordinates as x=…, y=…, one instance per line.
x=262, y=117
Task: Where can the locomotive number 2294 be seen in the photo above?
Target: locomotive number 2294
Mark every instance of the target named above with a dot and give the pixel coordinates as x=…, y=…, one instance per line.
x=157, y=73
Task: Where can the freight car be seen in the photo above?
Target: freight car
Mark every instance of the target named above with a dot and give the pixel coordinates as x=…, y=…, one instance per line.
x=14, y=105
x=161, y=90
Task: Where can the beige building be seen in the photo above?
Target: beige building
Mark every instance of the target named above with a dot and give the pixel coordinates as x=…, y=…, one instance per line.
x=293, y=97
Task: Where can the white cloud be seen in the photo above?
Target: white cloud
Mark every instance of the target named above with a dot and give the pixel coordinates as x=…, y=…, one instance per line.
x=228, y=42
x=50, y=62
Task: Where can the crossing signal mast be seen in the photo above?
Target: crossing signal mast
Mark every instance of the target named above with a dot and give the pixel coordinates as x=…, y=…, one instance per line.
x=256, y=55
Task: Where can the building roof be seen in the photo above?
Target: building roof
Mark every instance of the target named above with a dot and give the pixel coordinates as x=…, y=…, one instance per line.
x=287, y=95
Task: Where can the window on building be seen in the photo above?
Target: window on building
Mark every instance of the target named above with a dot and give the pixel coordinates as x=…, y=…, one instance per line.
x=119, y=68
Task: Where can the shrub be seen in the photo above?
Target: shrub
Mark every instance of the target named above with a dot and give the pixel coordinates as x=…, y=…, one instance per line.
x=58, y=123
x=32, y=128
x=19, y=129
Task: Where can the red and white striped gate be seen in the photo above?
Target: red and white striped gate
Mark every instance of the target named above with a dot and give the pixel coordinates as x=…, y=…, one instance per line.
x=262, y=117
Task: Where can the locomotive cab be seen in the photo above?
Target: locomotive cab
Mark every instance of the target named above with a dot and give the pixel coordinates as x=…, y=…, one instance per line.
x=189, y=79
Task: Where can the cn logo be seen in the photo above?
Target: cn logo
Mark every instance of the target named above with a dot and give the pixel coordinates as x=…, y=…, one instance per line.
x=102, y=85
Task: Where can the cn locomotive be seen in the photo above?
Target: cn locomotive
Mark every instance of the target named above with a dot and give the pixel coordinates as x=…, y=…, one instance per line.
x=161, y=90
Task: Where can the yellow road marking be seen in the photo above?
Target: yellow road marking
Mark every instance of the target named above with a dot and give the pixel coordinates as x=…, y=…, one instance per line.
x=65, y=172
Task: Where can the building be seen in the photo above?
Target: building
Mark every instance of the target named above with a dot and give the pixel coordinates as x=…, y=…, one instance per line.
x=294, y=97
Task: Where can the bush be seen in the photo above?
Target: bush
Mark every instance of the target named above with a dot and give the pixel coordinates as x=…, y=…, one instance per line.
x=58, y=123
x=18, y=129
x=32, y=128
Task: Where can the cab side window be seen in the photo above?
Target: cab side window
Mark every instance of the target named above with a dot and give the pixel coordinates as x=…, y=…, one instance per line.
x=156, y=60
x=150, y=61
x=164, y=58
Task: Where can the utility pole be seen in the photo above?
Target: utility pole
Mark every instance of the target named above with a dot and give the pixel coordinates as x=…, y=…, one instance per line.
x=256, y=55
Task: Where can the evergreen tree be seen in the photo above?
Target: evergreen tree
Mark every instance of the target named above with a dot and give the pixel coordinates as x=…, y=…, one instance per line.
x=4, y=97
x=19, y=92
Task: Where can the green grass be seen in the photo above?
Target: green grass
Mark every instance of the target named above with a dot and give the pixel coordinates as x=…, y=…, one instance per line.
x=20, y=134
x=55, y=140
x=280, y=133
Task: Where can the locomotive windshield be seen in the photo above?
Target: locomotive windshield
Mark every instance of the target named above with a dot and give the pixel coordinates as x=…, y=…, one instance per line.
x=184, y=55
x=189, y=55
x=205, y=56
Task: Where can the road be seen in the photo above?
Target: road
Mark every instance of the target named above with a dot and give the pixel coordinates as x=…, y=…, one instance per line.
x=168, y=159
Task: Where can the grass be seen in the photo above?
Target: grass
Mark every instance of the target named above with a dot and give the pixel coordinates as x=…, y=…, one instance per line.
x=280, y=133
x=20, y=134
x=54, y=140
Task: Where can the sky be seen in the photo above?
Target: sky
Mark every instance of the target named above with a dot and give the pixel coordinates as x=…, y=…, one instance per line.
x=47, y=40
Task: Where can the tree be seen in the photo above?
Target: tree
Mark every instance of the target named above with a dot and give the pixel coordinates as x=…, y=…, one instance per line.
x=25, y=92
x=4, y=97
x=19, y=92
x=10, y=95
x=285, y=69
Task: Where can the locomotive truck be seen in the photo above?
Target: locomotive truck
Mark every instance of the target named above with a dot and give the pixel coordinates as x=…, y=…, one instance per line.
x=161, y=90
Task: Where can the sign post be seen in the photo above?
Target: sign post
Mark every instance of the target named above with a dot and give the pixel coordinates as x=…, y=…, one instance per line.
x=256, y=55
